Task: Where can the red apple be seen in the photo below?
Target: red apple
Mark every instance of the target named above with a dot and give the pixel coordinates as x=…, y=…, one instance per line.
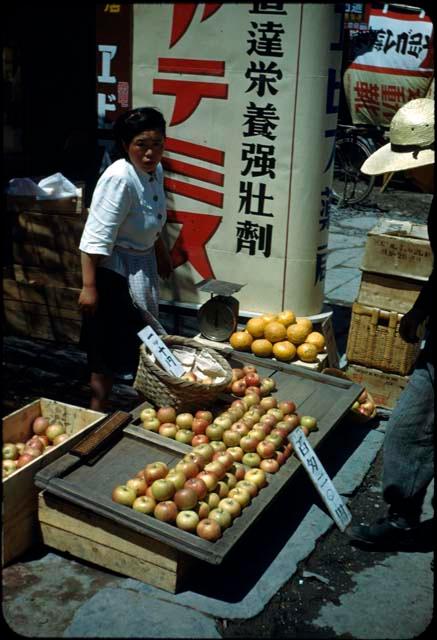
x=34, y=452
x=248, y=443
x=166, y=511
x=252, y=379
x=44, y=440
x=208, y=529
x=196, y=457
x=217, y=468
x=199, y=425
x=198, y=485
x=265, y=449
x=39, y=425
x=239, y=469
x=122, y=494
x=252, y=390
x=240, y=427
x=236, y=452
x=292, y=420
x=231, y=505
x=249, y=368
x=210, y=479
x=138, y=484
x=199, y=438
x=166, y=414
x=187, y=520
x=238, y=388
x=155, y=471
x=162, y=489
x=203, y=414
x=269, y=465
x=185, y=498
x=221, y=516
x=287, y=407
x=144, y=504
x=225, y=458
x=202, y=509
x=188, y=467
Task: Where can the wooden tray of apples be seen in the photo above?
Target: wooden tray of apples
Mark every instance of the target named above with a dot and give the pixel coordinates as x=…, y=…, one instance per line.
x=148, y=481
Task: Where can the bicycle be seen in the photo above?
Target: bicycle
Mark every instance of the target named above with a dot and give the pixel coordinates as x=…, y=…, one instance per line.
x=353, y=145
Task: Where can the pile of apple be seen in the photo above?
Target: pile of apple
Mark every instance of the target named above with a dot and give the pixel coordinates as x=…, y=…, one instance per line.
x=364, y=405
x=46, y=435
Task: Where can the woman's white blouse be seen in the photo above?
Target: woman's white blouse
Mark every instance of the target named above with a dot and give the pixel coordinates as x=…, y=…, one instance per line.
x=128, y=210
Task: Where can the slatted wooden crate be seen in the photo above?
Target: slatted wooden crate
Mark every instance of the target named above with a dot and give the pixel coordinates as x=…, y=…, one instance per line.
x=20, y=496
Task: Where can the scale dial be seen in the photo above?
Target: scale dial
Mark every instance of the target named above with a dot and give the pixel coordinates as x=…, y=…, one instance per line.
x=218, y=318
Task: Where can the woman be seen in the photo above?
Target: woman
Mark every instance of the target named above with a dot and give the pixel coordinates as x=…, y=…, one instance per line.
x=121, y=248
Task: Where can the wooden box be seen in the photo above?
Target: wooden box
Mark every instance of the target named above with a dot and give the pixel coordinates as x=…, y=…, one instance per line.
x=388, y=292
x=77, y=514
x=385, y=388
x=41, y=311
x=19, y=524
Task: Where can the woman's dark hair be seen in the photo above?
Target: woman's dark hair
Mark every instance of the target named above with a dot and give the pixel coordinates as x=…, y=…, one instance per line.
x=131, y=123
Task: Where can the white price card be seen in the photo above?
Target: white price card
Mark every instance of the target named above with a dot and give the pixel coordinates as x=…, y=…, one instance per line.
x=320, y=479
x=162, y=353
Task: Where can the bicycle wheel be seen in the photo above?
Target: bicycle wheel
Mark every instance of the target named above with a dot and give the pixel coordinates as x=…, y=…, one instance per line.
x=349, y=184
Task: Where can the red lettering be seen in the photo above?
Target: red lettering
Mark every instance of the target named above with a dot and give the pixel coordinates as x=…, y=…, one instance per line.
x=195, y=193
x=188, y=95
x=190, y=246
x=199, y=151
x=183, y=14
x=188, y=65
x=200, y=173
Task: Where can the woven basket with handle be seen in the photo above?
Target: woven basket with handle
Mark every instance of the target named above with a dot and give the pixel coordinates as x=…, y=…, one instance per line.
x=164, y=390
x=374, y=341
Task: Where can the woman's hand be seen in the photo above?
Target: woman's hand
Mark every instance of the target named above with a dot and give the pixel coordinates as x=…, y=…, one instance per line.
x=88, y=299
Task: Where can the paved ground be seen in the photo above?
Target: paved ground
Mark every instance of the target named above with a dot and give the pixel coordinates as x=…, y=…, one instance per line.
x=296, y=576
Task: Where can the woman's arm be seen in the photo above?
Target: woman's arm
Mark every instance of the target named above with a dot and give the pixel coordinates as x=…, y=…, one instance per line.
x=88, y=298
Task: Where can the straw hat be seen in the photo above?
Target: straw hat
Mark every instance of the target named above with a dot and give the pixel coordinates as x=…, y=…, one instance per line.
x=411, y=140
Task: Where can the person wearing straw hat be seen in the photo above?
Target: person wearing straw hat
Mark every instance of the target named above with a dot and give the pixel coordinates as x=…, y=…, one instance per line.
x=408, y=451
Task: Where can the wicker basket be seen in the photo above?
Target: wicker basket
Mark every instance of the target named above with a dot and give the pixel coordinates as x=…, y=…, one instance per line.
x=374, y=341
x=165, y=390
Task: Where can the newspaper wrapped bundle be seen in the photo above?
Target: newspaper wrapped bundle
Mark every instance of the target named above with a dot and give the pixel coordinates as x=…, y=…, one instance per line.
x=212, y=372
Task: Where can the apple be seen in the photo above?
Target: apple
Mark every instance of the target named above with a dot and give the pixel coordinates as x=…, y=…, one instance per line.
x=238, y=388
x=218, y=445
x=225, y=458
x=8, y=466
x=252, y=379
x=253, y=391
x=209, y=529
x=62, y=437
x=251, y=459
x=210, y=479
x=257, y=432
x=265, y=449
x=184, y=435
x=309, y=421
x=234, y=413
x=162, y=489
x=199, y=438
x=239, y=405
x=177, y=477
x=122, y=494
x=196, y=457
x=277, y=413
x=241, y=495
x=166, y=414
x=148, y=412
x=231, y=505
x=268, y=402
x=217, y=468
x=39, y=425
x=205, y=450
x=268, y=384
x=239, y=469
x=257, y=476
x=144, y=504
x=306, y=431
x=222, y=489
x=251, y=399
x=287, y=407
x=230, y=479
x=292, y=421
x=204, y=414
x=237, y=373
x=34, y=452
x=276, y=438
x=215, y=431
x=269, y=465
x=10, y=451
x=138, y=484
x=251, y=487
x=188, y=467
x=225, y=421
x=54, y=430
x=221, y=516
x=199, y=425
x=168, y=430
x=187, y=520
x=184, y=420
x=21, y=445
x=155, y=471
x=249, y=420
x=190, y=376
x=35, y=441
x=282, y=428
x=231, y=438
x=236, y=452
x=185, y=498
x=248, y=443
x=198, y=485
x=44, y=440
x=240, y=427
x=249, y=368
x=151, y=424
x=166, y=511
x=202, y=509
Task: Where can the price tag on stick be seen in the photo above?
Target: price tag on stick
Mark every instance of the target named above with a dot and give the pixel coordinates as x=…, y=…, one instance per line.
x=320, y=479
x=162, y=353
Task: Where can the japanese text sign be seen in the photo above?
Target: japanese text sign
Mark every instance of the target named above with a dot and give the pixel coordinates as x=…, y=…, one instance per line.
x=162, y=353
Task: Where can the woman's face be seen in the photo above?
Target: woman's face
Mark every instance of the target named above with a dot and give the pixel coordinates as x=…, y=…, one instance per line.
x=145, y=150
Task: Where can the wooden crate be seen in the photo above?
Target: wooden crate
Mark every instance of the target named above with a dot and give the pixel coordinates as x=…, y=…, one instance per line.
x=41, y=311
x=123, y=540
x=385, y=388
x=20, y=503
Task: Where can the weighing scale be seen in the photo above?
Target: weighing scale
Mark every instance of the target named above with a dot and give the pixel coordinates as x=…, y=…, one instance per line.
x=218, y=317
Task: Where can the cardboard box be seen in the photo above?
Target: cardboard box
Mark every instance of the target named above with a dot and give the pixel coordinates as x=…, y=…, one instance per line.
x=20, y=495
x=388, y=292
x=400, y=249
x=384, y=387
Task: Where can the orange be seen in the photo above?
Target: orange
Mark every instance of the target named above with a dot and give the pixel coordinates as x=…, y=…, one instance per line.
x=317, y=339
x=241, y=340
x=269, y=317
x=297, y=333
x=284, y=350
x=307, y=352
x=306, y=322
x=275, y=331
x=262, y=347
x=255, y=326
x=286, y=317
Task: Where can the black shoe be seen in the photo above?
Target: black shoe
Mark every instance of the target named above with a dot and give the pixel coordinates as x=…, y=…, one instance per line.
x=388, y=532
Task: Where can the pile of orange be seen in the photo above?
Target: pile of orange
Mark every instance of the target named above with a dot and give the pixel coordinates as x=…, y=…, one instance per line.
x=282, y=336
